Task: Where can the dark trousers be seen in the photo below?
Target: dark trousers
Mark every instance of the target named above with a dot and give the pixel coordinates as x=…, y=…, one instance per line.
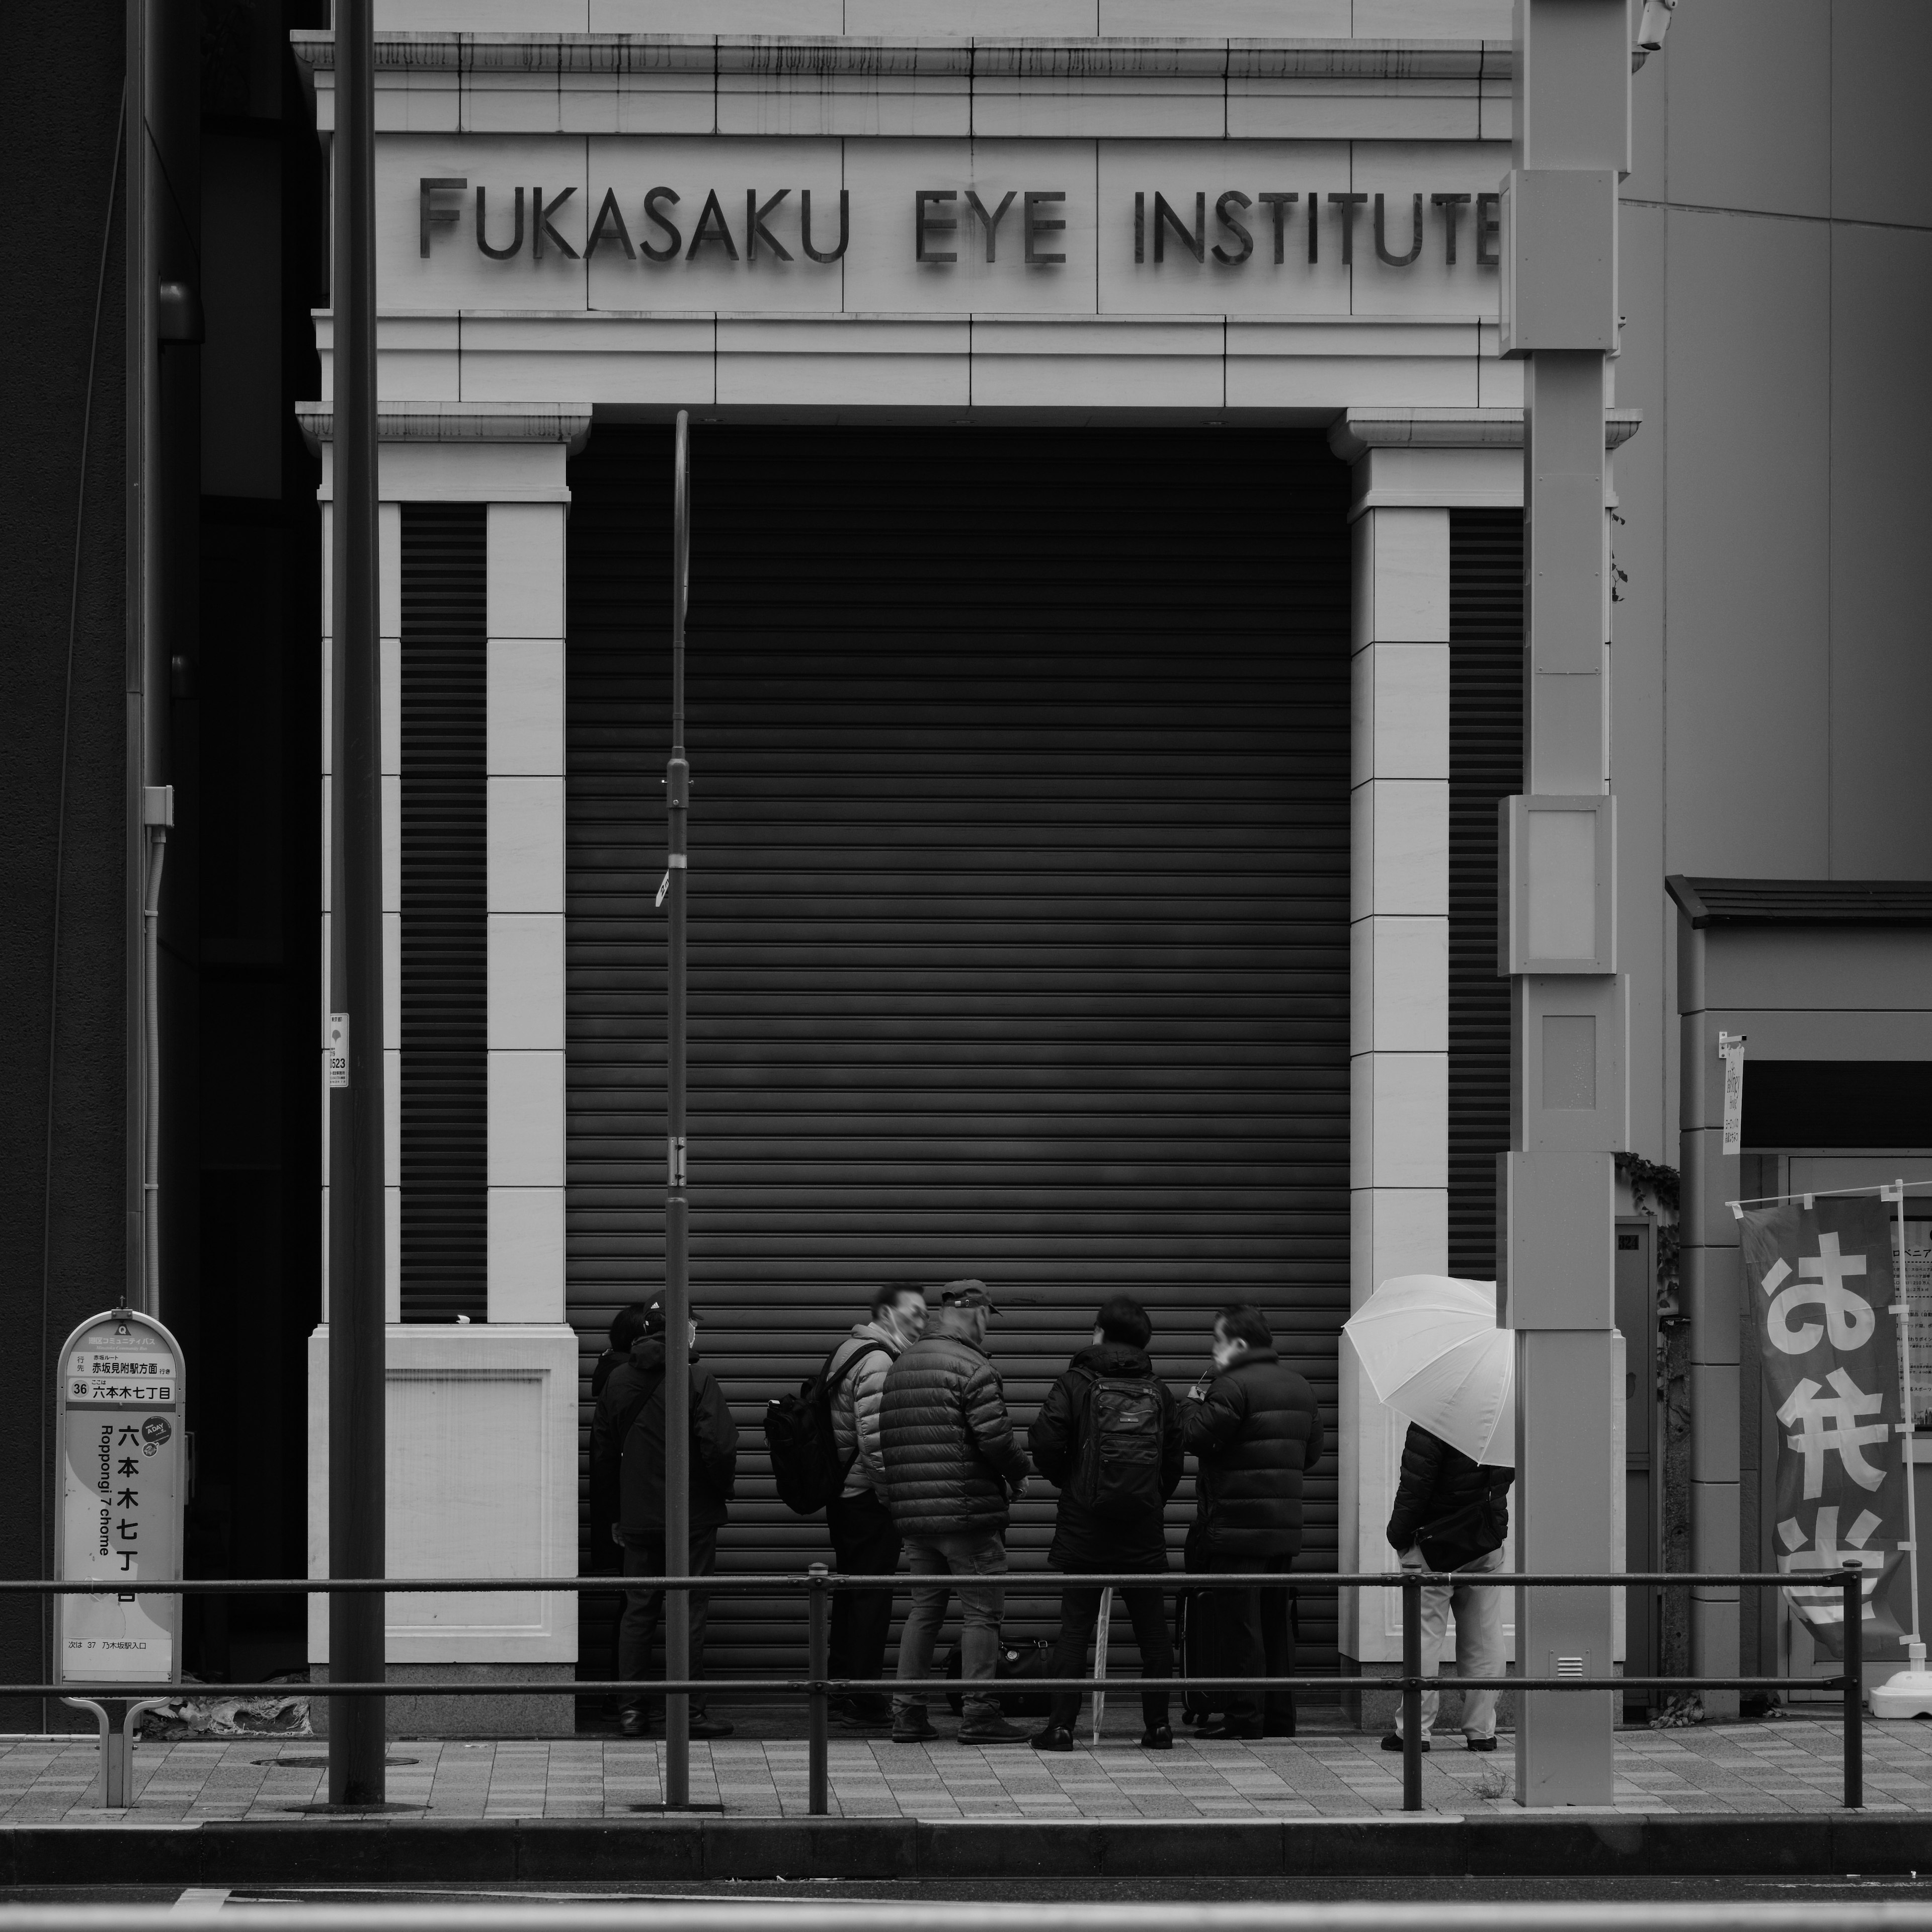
x=637, y=1633
x=1249, y=1637
x=1079, y=1616
x=864, y=1544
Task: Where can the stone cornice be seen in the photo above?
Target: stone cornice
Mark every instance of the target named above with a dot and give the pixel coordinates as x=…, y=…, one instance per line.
x=780, y=57
x=1354, y=434
x=567, y=423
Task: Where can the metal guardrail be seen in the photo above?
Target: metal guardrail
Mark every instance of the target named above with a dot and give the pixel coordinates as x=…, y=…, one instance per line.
x=819, y=1687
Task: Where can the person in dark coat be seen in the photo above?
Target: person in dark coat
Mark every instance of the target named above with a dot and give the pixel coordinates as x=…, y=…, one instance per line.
x=952, y=1465
x=1439, y=1483
x=1256, y=1432
x=1104, y=1535
x=627, y=1471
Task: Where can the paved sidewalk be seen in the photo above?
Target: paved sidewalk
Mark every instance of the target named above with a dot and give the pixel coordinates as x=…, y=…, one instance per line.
x=1791, y=1764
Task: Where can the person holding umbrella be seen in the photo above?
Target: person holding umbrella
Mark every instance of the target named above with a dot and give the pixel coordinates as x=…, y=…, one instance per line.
x=1433, y=1353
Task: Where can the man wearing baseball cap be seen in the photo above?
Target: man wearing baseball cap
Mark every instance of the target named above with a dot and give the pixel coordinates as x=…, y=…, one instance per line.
x=952, y=1465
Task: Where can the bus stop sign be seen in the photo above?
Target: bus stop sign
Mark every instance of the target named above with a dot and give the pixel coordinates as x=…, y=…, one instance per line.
x=122, y=1476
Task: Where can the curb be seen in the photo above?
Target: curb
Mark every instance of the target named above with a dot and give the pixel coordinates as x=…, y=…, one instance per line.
x=1577, y=1844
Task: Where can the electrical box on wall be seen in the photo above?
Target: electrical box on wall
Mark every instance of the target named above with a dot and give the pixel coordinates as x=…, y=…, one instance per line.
x=1559, y=259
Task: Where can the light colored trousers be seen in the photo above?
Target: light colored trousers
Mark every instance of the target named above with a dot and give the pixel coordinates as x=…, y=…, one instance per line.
x=1479, y=1651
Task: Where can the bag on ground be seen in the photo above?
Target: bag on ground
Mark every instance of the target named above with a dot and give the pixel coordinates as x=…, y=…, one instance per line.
x=1015, y=1661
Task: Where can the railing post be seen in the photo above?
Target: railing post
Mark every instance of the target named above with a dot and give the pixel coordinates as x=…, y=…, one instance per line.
x=1855, y=1685
x=818, y=1800
x=1412, y=1693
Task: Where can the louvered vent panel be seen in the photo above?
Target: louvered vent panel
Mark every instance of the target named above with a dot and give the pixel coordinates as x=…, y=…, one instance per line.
x=1486, y=644
x=445, y=956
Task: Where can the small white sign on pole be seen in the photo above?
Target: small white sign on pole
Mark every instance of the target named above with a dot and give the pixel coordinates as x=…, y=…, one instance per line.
x=1731, y=1051
x=121, y=1486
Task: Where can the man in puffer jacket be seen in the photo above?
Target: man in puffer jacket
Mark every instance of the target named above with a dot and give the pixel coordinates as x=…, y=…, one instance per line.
x=951, y=1463
x=1439, y=1483
x=1255, y=1431
x=627, y=1462
x=865, y=1542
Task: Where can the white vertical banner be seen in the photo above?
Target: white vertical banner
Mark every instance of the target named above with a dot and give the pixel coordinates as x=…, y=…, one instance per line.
x=1731, y=1051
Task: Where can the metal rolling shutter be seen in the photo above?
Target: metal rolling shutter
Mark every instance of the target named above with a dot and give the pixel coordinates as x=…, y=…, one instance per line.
x=444, y=968
x=1485, y=764
x=1019, y=890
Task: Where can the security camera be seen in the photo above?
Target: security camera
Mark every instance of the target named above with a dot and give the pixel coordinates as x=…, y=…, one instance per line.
x=1654, y=26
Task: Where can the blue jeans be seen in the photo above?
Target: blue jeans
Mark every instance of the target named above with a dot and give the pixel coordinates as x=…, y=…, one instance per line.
x=970, y=1554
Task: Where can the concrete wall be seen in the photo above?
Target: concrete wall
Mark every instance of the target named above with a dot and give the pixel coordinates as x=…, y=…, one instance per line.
x=1770, y=666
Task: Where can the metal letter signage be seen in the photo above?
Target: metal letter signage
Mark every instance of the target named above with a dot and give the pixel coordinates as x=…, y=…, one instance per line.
x=1821, y=1290
x=121, y=1489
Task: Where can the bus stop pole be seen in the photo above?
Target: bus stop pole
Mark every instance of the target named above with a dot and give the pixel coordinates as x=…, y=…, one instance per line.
x=356, y=1247
x=677, y=1209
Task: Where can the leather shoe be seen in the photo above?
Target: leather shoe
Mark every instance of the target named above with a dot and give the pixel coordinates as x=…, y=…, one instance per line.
x=1393, y=1741
x=704, y=1725
x=1480, y=1744
x=994, y=1730
x=1247, y=1732
x=635, y=1724
x=912, y=1727
x=1159, y=1738
x=1054, y=1738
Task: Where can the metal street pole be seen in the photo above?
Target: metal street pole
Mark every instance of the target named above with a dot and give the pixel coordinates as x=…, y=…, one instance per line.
x=1558, y=848
x=356, y=1257
x=677, y=1207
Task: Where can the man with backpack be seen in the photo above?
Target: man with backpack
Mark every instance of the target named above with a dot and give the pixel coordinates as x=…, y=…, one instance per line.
x=1453, y=1514
x=1253, y=1427
x=865, y=1542
x=952, y=1465
x=627, y=1462
x=1108, y=1434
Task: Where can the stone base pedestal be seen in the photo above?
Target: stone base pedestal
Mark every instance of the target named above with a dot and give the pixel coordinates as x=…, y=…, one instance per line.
x=413, y=1712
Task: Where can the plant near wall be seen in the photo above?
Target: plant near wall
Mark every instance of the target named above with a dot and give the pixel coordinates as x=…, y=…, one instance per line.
x=1654, y=1191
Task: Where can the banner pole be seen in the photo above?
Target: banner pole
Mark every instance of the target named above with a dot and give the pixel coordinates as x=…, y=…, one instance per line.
x=1915, y=1649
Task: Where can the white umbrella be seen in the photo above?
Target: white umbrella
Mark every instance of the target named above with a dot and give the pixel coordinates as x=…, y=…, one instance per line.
x=1433, y=1353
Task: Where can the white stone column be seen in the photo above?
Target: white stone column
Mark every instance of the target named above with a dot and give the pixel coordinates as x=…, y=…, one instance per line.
x=482, y=1417
x=526, y=911
x=1411, y=467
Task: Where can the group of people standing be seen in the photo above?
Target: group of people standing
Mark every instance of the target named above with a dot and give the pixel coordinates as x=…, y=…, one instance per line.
x=932, y=1466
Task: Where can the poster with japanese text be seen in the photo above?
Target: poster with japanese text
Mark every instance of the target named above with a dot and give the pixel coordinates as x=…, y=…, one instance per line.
x=1820, y=1283
x=121, y=1467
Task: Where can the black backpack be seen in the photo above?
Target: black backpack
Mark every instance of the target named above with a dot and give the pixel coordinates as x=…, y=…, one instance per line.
x=806, y=1462
x=1117, y=1477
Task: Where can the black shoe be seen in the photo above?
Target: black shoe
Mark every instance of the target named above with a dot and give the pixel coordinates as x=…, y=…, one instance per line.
x=1477, y=1744
x=1158, y=1737
x=1054, y=1738
x=1247, y=1730
x=635, y=1724
x=704, y=1725
x=912, y=1727
x=856, y=1715
x=1393, y=1741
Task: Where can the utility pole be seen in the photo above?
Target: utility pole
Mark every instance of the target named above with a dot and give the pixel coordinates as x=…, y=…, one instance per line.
x=356, y=1246
x=677, y=1205
x=1557, y=846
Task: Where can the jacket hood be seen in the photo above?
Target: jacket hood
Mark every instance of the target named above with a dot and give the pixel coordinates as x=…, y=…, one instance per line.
x=955, y=1325
x=1113, y=1358
x=878, y=1331
x=1248, y=1358
x=647, y=1351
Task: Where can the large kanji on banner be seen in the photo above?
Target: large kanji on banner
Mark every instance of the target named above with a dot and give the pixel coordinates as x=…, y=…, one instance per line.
x=1820, y=1285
